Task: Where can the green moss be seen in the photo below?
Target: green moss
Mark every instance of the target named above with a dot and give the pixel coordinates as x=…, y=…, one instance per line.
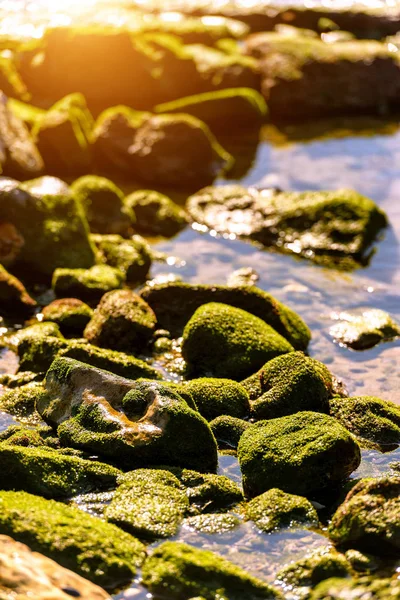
x=154, y=477
x=18, y=435
x=358, y=589
x=133, y=257
x=19, y=379
x=362, y=562
x=213, y=523
x=21, y=402
x=174, y=303
x=70, y=314
x=274, y=509
x=88, y=285
x=208, y=492
x=215, y=397
x=176, y=570
x=36, y=345
x=224, y=341
x=156, y=213
x=96, y=550
x=369, y=519
x=14, y=298
x=368, y=418
x=364, y=331
x=320, y=565
x=299, y=454
x=228, y=430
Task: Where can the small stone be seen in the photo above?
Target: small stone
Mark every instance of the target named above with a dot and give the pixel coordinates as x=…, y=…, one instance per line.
x=364, y=331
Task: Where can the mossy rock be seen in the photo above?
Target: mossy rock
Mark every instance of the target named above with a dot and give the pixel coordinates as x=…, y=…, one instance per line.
x=22, y=435
x=88, y=285
x=14, y=298
x=357, y=589
x=215, y=397
x=12, y=382
x=299, y=454
x=363, y=331
x=175, y=303
x=133, y=257
x=156, y=213
x=148, y=508
x=46, y=472
x=368, y=418
x=122, y=321
x=275, y=509
x=291, y=383
x=223, y=341
x=96, y=550
x=369, y=519
x=212, y=524
x=176, y=570
x=21, y=402
x=103, y=203
x=228, y=430
x=223, y=109
x=70, y=314
x=208, y=492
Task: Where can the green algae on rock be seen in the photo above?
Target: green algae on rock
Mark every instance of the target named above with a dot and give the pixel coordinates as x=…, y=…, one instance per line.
x=121, y=321
x=369, y=519
x=132, y=257
x=70, y=314
x=275, y=509
x=175, y=302
x=36, y=346
x=291, y=383
x=215, y=397
x=357, y=589
x=299, y=454
x=14, y=298
x=156, y=213
x=21, y=402
x=228, y=430
x=368, y=418
x=149, y=508
x=212, y=524
x=103, y=203
x=48, y=473
x=208, y=492
x=99, y=551
x=363, y=331
x=88, y=285
x=224, y=341
x=175, y=570
x=333, y=228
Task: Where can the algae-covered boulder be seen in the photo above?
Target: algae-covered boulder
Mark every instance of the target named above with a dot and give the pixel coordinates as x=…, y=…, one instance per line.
x=222, y=109
x=70, y=314
x=291, y=383
x=228, y=430
x=14, y=298
x=176, y=570
x=96, y=550
x=208, y=492
x=365, y=330
x=63, y=136
x=122, y=321
x=173, y=150
x=156, y=213
x=175, y=302
x=88, y=285
x=215, y=397
x=368, y=418
x=275, y=509
x=103, y=203
x=334, y=228
x=49, y=221
x=21, y=401
x=36, y=346
x=299, y=454
x=132, y=257
x=223, y=341
x=148, y=505
x=369, y=519
x=48, y=473
x=132, y=422
x=357, y=589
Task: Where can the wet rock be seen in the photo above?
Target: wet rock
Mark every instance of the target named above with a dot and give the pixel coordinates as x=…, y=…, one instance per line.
x=76, y=540
x=244, y=276
x=187, y=572
x=14, y=298
x=208, y=492
x=333, y=228
x=21, y=402
x=19, y=157
x=70, y=314
x=228, y=430
x=147, y=505
x=274, y=509
x=338, y=75
x=175, y=302
x=368, y=418
x=132, y=422
x=299, y=454
x=363, y=331
x=132, y=257
x=36, y=346
x=25, y=573
x=47, y=473
x=176, y=151
x=50, y=222
x=361, y=562
x=215, y=397
x=291, y=383
x=156, y=213
x=122, y=321
x=88, y=285
x=356, y=589
x=212, y=524
x=368, y=519
x=224, y=341
x=63, y=136
x=223, y=109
